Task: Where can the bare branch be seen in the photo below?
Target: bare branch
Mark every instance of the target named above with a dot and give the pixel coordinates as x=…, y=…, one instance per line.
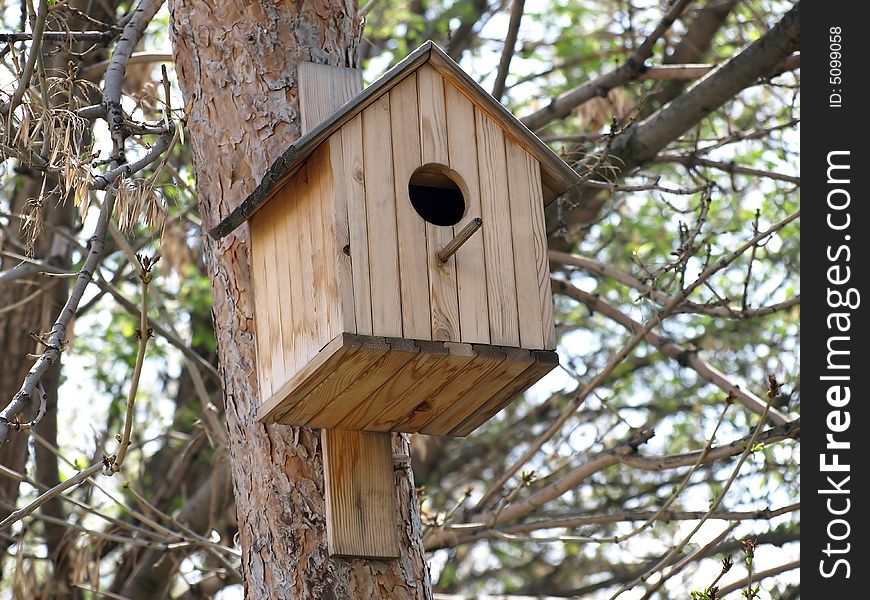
x=789, y=566
x=507, y=53
x=663, y=299
x=620, y=356
x=562, y=106
x=729, y=167
x=669, y=348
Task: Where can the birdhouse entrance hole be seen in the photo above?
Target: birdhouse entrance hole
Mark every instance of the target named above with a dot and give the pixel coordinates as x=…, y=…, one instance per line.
x=436, y=194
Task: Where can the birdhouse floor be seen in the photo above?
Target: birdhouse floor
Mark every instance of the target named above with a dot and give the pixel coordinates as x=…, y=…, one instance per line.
x=367, y=383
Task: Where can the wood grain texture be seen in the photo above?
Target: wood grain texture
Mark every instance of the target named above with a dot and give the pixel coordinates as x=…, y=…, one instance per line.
x=394, y=384
x=470, y=265
x=338, y=196
x=443, y=294
x=324, y=244
x=413, y=373
x=433, y=116
x=353, y=175
x=463, y=391
x=322, y=89
x=329, y=401
x=381, y=217
x=283, y=221
x=521, y=194
x=414, y=285
x=426, y=396
x=360, y=494
x=542, y=262
x=497, y=232
x=259, y=237
x=330, y=358
x=541, y=362
x=378, y=370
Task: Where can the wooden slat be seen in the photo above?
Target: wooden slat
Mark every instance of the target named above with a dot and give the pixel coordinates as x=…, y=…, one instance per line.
x=325, y=256
x=422, y=401
x=261, y=304
x=405, y=127
x=326, y=394
x=322, y=89
x=340, y=392
x=360, y=494
x=412, y=374
x=470, y=267
x=453, y=393
x=378, y=369
x=271, y=294
x=293, y=247
x=353, y=175
x=522, y=193
x=331, y=357
x=285, y=232
x=543, y=361
x=542, y=262
x=433, y=116
x=443, y=295
x=381, y=213
x=465, y=392
x=498, y=247
x=341, y=231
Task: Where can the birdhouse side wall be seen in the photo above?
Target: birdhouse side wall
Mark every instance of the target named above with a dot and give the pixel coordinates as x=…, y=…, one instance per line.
x=296, y=265
x=495, y=289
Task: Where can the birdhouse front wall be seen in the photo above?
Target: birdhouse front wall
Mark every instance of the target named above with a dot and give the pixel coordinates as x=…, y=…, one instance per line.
x=495, y=289
x=359, y=324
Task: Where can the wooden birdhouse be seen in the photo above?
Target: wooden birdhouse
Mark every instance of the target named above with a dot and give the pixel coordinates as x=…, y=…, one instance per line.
x=400, y=272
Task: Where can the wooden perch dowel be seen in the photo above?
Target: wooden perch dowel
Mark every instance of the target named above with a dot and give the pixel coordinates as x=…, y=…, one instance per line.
x=460, y=238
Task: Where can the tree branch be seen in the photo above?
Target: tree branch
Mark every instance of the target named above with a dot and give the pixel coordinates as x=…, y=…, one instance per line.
x=626, y=453
x=507, y=53
x=683, y=356
x=663, y=299
x=562, y=106
x=627, y=349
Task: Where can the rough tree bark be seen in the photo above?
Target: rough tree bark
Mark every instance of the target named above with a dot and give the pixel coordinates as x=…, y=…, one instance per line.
x=236, y=64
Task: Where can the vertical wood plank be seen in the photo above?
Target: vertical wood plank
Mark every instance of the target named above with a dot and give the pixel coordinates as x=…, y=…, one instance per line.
x=285, y=230
x=542, y=262
x=310, y=285
x=341, y=230
x=360, y=494
x=322, y=89
x=405, y=126
x=443, y=295
x=322, y=226
x=433, y=116
x=261, y=304
x=353, y=172
x=470, y=267
x=498, y=248
x=294, y=214
x=381, y=216
x=521, y=192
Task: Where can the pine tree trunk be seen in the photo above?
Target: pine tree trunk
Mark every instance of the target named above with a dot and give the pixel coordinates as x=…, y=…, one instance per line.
x=236, y=63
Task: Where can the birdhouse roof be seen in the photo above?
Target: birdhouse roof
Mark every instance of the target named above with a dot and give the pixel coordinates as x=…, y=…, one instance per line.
x=556, y=175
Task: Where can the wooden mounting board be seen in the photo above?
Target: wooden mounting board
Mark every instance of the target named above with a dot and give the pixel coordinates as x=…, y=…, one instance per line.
x=368, y=383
